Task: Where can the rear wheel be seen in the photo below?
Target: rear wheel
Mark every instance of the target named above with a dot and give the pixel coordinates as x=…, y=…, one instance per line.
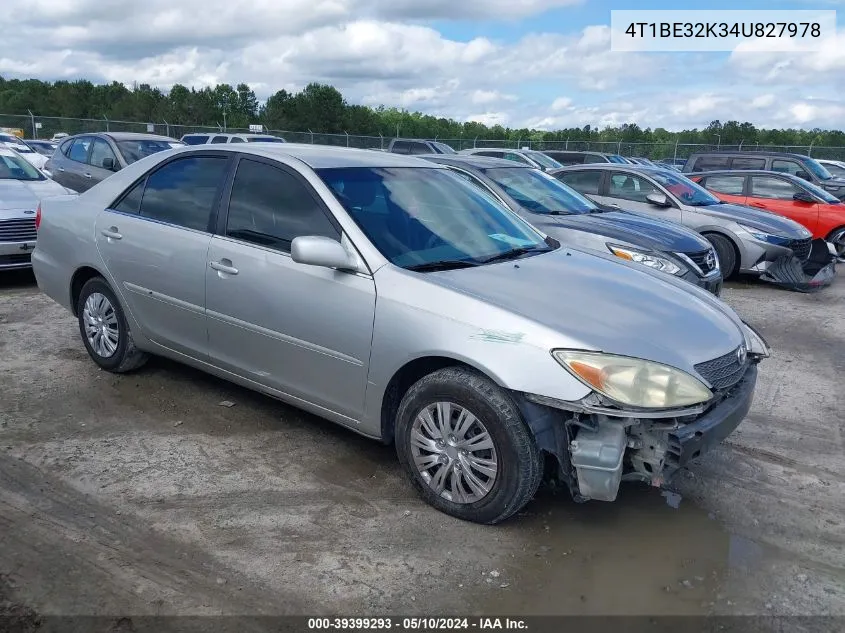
x=104, y=330
x=465, y=447
x=725, y=251
x=837, y=238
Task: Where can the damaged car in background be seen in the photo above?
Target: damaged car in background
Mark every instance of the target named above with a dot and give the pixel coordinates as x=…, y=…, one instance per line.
x=747, y=240
x=391, y=296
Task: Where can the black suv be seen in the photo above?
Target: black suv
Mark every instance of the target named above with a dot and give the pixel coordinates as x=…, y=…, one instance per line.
x=796, y=164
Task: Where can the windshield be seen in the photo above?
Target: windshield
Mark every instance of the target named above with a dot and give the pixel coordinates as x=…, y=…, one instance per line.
x=46, y=149
x=616, y=158
x=817, y=168
x=539, y=192
x=264, y=139
x=545, y=161
x=137, y=149
x=684, y=189
x=444, y=149
x=836, y=169
x=819, y=192
x=16, y=168
x=418, y=216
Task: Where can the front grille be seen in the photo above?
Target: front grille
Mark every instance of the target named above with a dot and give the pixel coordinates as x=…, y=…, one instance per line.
x=22, y=230
x=801, y=248
x=705, y=263
x=15, y=260
x=723, y=372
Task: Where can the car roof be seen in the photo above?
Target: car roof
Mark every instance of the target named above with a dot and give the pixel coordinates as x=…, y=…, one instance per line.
x=752, y=154
x=318, y=156
x=618, y=167
x=230, y=134
x=124, y=136
x=745, y=172
x=471, y=160
x=473, y=150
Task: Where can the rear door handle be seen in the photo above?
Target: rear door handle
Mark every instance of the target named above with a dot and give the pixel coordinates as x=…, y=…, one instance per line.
x=758, y=205
x=61, y=168
x=615, y=206
x=224, y=266
x=111, y=233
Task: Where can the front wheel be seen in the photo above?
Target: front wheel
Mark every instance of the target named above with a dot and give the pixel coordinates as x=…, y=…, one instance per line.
x=104, y=330
x=725, y=251
x=837, y=238
x=465, y=447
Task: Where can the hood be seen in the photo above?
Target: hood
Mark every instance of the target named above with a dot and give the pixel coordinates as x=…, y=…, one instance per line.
x=639, y=230
x=756, y=219
x=25, y=194
x=598, y=302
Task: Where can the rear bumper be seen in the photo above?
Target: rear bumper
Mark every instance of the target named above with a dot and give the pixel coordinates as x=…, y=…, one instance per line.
x=700, y=436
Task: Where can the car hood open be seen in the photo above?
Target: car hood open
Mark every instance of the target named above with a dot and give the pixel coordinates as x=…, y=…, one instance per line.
x=602, y=303
x=634, y=229
x=756, y=219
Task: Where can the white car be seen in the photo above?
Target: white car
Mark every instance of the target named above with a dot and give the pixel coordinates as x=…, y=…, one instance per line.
x=10, y=141
x=835, y=167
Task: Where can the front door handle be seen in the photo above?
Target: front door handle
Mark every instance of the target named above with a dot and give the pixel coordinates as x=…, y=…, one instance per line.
x=61, y=168
x=111, y=233
x=87, y=175
x=758, y=205
x=615, y=206
x=224, y=266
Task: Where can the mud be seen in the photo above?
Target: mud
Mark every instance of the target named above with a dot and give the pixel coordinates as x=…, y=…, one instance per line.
x=142, y=495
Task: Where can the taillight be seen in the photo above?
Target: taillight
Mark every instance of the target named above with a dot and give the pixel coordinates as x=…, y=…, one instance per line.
x=38, y=216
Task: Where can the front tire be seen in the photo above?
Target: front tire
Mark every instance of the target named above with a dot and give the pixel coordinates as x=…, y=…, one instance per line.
x=727, y=255
x=104, y=331
x=465, y=448
x=837, y=238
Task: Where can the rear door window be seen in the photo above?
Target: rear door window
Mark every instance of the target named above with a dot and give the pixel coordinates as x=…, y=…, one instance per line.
x=220, y=139
x=788, y=167
x=771, y=187
x=100, y=151
x=730, y=185
x=401, y=147
x=711, y=163
x=630, y=187
x=748, y=163
x=420, y=148
x=195, y=139
x=587, y=181
x=79, y=149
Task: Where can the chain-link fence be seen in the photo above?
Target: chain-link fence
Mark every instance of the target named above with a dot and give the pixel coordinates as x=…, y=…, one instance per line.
x=34, y=126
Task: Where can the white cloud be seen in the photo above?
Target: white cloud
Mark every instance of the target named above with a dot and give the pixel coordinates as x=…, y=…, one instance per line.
x=490, y=118
x=481, y=97
x=561, y=103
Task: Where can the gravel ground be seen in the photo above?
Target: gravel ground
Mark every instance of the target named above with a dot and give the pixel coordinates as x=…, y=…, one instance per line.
x=141, y=494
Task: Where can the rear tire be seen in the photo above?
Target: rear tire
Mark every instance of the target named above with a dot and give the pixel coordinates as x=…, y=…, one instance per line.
x=482, y=464
x=725, y=251
x=104, y=330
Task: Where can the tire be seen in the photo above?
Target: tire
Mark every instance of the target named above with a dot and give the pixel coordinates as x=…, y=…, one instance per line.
x=513, y=450
x=118, y=353
x=837, y=238
x=725, y=251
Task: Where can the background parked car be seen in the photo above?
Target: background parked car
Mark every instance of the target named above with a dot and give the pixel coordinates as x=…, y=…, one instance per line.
x=202, y=138
x=796, y=164
x=81, y=161
x=21, y=187
x=835, y=167
x=45, y=148
x=418, y=146
x=571, y=218
x=58, y=136
x=787, y=195
x=566, y=157
x=531, y=158
x=746, y=240
x=491, y=354
x=639, y=160
x=673, y=162
x=10, y=141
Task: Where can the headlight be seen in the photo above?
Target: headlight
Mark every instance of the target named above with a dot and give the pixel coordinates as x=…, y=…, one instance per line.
x=646, y=259
x=633, y=381
x=767, y=237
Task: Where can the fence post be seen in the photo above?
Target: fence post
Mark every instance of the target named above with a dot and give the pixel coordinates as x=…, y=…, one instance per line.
x=106, y=119
x=166, y=127
x=810, y=151
x=567, y=143
x=381, y=140
x=741, y=141
x=675, y=157
x=347, y=137
x=475, y=142
x=312, y=136
x=619, y=147
x=32, y=119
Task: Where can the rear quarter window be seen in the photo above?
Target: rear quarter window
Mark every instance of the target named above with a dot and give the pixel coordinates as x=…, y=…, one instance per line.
x=711, y=163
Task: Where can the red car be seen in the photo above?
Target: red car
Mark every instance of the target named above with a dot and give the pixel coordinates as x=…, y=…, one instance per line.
x=784, y=194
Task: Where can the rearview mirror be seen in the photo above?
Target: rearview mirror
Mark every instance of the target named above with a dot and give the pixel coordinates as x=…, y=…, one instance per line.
x=658, y=199
x=325, y=252
x=108, y=163
x=803, y=196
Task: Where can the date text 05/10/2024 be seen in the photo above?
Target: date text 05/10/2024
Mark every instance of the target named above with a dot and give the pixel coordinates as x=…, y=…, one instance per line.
x=415, y=624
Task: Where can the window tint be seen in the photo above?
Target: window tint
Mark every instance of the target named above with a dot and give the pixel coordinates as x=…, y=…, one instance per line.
x=270, y=207
x=79, y=149
x=100, y=151
x=630, y=187
x=131, y=202
x=776, y=188
x=836, y=170
x=787, y=167
x=420, y=148
x=492, y=153
x=748, y=163
x=401, y=147
x=517, y=158
x=595, y=158
x=197, y=139
x=184, y=191
x=731, y=185
x=64, y=148
x=236, y=139
x=583, y=181
x=219, y=139
x=711, y=163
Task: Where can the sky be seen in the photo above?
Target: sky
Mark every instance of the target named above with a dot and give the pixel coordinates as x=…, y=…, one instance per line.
x=542, y=64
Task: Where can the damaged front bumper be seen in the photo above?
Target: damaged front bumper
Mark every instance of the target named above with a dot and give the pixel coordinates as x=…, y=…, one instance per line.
x=810, y=275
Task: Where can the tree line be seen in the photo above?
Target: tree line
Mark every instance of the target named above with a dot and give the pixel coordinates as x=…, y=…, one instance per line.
x=321, y=108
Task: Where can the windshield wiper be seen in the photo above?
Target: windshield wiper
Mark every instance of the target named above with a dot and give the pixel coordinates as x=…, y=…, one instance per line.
x=514, y=253
x=443, y=264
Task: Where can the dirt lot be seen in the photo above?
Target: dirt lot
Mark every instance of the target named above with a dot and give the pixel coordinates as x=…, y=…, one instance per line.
x=141, y=494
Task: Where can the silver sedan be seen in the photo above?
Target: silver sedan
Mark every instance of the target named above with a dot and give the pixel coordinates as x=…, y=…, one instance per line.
x=389, y=295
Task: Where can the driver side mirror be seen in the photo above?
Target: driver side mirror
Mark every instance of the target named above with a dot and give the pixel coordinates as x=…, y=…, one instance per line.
x=108, y=163
x=803, y=196
x=314, y=250
x=658, y=200
x=803, y=174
